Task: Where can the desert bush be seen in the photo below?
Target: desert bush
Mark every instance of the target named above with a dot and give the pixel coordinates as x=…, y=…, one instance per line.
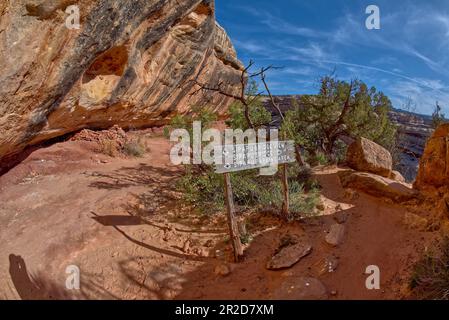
x=430, y=278
x=302, y=203
x=204, y=189
x=135, y=147
x=109, y=147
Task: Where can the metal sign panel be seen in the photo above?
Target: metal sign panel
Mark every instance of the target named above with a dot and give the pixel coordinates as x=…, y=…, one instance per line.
x=239, y=157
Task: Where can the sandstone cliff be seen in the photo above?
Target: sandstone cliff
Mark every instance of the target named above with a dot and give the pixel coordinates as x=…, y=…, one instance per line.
x=129, y=64
x=434, y=164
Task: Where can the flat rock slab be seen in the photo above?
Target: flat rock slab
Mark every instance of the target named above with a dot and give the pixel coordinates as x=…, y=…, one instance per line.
x=376, y=185
x=336, y=234
x=289, y=256
x=301, y=288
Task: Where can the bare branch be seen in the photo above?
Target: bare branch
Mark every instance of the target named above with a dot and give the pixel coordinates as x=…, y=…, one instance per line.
x=275, y=105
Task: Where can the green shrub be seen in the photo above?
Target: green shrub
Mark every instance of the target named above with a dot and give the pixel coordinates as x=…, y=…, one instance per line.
x=205, y=190
x=258, y=114
x=302, y=203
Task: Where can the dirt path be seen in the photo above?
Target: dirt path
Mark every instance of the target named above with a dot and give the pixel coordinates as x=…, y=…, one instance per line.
x=121, y=222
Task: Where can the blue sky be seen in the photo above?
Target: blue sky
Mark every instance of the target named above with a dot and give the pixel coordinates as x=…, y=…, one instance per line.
x=408, y=58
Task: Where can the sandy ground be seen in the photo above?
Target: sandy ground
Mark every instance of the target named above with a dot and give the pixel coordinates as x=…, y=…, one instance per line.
x=121, y=221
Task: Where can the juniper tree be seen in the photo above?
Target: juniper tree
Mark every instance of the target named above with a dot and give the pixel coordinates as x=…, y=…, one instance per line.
x=340, y=109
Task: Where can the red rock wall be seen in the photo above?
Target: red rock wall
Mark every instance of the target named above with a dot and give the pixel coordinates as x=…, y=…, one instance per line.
x=129, y=64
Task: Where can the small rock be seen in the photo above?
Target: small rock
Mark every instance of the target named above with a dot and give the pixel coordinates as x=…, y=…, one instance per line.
x=320, y=206
x=335, y=235
x=289, y=256
x=222, y=270
x=328, y=265
x=351, y=194
x=203, y=252
x=186, y=247
x=209, y=243
x=219, y=254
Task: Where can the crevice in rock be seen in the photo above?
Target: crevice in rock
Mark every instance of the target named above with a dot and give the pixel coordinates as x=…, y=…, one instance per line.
x=197, y=16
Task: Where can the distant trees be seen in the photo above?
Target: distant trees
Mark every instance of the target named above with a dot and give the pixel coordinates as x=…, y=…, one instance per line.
x=437, y=116
x=340, y=109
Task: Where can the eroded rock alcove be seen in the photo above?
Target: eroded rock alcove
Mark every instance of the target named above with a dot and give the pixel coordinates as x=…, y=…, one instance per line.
x=129, y=64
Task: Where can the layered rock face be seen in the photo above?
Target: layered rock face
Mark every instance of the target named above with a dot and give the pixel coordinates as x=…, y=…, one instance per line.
x=434, y=164
x=131, y=63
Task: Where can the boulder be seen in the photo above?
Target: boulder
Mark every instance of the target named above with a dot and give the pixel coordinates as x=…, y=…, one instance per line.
x=376, y=185
x=131, y=64
x=434, y=164
x=366, y=155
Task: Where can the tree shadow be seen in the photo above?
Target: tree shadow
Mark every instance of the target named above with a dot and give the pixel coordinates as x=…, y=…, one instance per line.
x=161, y=250
x=112, y=220
x=32, y=287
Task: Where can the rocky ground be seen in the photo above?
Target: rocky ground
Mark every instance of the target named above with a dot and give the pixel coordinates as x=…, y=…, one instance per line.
x=122, y=222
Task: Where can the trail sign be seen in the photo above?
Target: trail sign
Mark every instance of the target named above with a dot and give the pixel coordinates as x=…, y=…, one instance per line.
x=239, y=157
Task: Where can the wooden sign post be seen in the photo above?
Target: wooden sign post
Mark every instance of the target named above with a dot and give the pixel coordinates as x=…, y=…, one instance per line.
x=232, y=223
x=286, y=203
x=233, y=158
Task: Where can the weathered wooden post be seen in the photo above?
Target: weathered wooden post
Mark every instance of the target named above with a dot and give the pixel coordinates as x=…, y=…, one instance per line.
x=232, y=222
x=286, y=203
